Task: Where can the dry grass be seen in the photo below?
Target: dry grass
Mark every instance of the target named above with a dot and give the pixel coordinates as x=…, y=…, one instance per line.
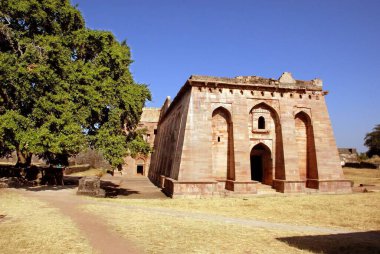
x=163, y=233
x=91, y=172
x=351, y=211
x=362, y=176
x=180, y=233
x=31, y=226
x=166, y=234
x=33, y=223
x=374, y=159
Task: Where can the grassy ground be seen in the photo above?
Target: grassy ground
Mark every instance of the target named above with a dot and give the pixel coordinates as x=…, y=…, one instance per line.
x=353, y=211
x=362, y=176
x=31, y=226
x=160, y=233
x=165, y=234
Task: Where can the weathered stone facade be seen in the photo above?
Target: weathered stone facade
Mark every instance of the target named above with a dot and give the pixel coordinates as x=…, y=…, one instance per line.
x=233, y=135
x=140, y=164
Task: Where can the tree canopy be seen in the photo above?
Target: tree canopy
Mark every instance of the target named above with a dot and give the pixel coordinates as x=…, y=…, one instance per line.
x=372, y=141
x=63, y=87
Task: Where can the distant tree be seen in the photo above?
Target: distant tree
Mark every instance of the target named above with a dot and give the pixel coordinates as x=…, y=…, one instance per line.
x=372, y=141
x=63, y=87
x=362, y=156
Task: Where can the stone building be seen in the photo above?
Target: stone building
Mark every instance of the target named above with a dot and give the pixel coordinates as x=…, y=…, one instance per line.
x=226, y=136
x=140, y=164
x=348, y=155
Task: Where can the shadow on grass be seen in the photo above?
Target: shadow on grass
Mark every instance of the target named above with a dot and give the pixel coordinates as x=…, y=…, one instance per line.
x=114, y=190
x=358, y=242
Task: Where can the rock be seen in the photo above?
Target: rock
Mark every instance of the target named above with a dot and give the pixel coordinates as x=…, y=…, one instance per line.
x=90, y=186
x=3, y=182
x=15, y=182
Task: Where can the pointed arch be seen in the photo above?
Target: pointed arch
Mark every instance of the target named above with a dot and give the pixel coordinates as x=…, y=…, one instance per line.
x=307, y=163
x=273, y=131
x=222, y=145
x=266, y=106
x=261, y=164
x=224, y=111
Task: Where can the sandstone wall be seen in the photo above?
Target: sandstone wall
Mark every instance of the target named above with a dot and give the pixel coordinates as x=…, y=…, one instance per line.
x=219, y=128
x=168, y=143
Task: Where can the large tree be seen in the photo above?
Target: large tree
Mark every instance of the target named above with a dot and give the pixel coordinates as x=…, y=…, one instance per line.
x=372, y=141
x=63, y=87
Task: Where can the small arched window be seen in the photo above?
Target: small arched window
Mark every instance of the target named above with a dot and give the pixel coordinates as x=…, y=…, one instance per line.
x=261, y=122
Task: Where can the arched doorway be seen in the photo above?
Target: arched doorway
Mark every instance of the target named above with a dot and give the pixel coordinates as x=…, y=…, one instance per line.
x=265, y=125
x=261, y=164
x=140, y=166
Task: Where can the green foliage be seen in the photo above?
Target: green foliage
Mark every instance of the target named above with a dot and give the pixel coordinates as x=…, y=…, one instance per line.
x=362, y=156
x=63, y=87
x=137, y=145
x=372, y=141
x=15, y=132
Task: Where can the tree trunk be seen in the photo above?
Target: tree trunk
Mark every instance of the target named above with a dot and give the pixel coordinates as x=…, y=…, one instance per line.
x=23, y=160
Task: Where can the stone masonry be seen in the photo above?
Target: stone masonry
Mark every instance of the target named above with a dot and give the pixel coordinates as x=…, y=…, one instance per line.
x=348, y=155
x=234, y=135
x=140, y=164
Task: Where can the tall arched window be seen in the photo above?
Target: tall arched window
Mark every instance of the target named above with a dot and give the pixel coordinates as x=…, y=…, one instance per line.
x=261, y=122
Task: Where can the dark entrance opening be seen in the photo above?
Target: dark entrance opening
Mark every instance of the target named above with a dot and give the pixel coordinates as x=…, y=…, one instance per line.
x=257, y=168
x=140, y=169
x=261, y=164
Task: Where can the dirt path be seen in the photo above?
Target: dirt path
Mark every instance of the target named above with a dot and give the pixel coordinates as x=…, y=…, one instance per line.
x=102, y=239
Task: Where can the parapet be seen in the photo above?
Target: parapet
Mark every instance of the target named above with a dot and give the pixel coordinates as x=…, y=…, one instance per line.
x=151, y=115
x=286, y=81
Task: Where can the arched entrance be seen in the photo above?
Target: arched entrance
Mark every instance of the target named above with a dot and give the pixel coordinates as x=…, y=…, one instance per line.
x=261, y=164
x=265, y=125
x=140, y=166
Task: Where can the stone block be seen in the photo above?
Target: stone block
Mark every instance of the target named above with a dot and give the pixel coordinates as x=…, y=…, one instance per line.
x=90, y=186
x=288, y=186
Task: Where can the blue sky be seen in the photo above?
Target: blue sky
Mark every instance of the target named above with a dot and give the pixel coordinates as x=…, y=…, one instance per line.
x=337, y=41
